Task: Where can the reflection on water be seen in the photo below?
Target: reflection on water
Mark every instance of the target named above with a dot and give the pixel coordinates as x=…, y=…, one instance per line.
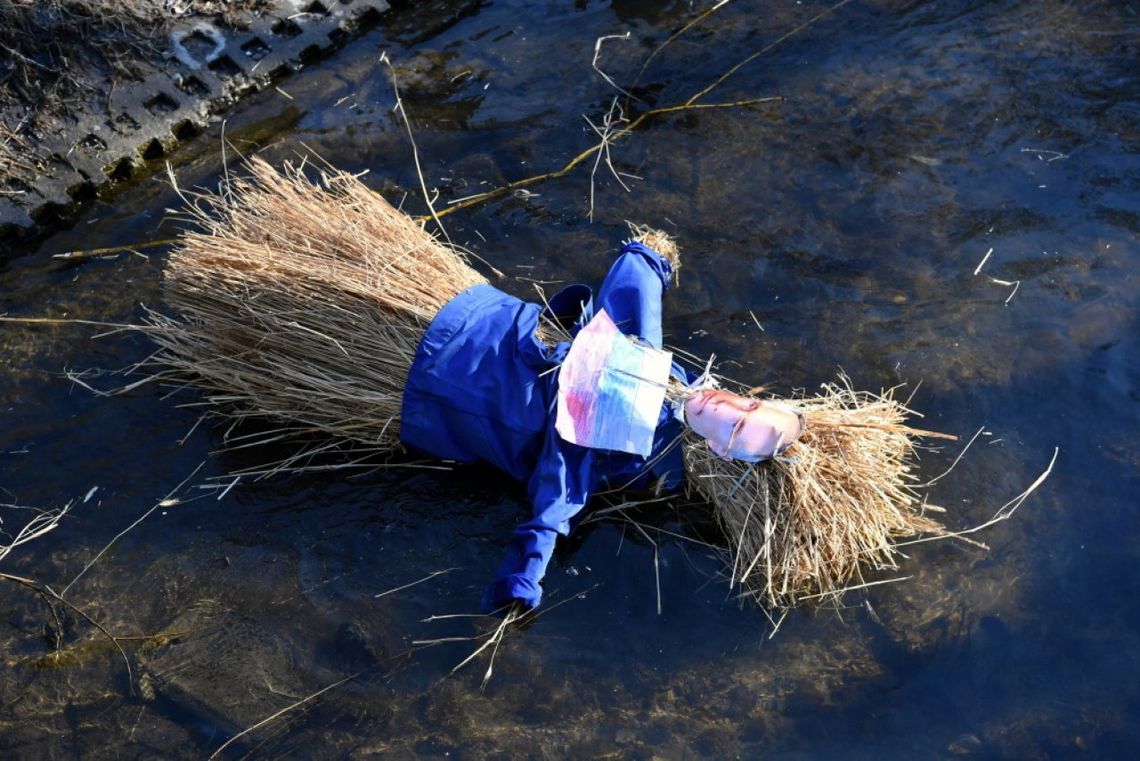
x=848, y=219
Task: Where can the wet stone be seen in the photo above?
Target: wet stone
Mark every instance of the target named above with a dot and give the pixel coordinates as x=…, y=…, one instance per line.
x=228, y=673
x=966, y=745
x=352, y=649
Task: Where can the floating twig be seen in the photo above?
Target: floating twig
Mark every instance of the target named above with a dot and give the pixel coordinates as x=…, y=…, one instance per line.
x=50, y=594
x=1005, y=512
x=168, y=501
x=95, y=253
x=429, y=577
x=282, y=712
x=983, y=261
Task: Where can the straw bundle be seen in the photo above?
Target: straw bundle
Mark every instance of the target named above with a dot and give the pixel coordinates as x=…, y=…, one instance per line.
x=805, y=525
x=303, y=303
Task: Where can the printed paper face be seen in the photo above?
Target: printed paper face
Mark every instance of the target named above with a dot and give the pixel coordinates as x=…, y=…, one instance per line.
x=610, y=389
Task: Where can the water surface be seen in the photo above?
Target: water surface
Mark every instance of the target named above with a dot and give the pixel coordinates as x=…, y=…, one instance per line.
x=847, y=218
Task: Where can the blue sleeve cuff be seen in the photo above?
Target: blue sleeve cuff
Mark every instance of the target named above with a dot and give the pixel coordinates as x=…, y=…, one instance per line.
x=658, y=263
x=517, y=586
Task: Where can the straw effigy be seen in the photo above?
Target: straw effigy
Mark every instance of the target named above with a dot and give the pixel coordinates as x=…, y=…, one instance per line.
x=301, y=303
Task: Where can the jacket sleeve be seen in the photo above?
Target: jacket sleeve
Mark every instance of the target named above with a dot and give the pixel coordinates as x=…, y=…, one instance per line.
x=631, y=293
x=559, y=488
x=566, y=474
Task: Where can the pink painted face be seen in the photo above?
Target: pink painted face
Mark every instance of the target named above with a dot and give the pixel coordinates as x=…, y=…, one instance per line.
x=739, y=428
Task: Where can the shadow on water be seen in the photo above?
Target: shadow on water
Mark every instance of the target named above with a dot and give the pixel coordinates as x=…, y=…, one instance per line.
x=848, y=220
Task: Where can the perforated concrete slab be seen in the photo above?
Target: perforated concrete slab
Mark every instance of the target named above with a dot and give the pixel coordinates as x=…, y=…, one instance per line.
x=208, y=69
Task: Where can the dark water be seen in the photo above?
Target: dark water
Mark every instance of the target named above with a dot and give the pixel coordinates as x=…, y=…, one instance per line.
x=848, y=218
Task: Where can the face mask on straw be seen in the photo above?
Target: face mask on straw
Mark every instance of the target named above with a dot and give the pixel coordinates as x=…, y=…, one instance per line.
x=739, y=428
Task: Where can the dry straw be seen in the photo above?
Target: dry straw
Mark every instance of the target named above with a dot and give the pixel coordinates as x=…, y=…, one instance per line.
x=302, y=303
x=806, y=525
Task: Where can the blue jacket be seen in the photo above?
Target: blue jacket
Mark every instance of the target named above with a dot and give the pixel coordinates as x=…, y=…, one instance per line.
x=483, y=387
